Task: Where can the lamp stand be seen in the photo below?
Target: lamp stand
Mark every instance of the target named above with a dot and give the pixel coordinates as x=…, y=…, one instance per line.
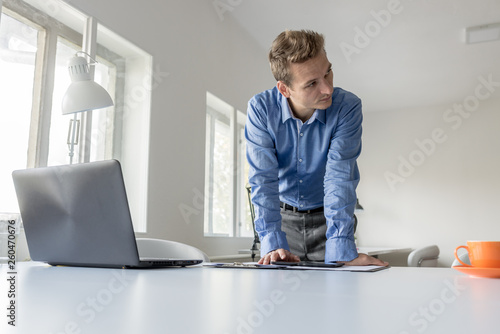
x=74, y=133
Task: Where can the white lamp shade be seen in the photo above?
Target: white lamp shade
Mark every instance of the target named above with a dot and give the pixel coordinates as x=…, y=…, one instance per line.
x=83, y=94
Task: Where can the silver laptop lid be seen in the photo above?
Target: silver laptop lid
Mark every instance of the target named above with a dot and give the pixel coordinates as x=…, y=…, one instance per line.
x=77, y=214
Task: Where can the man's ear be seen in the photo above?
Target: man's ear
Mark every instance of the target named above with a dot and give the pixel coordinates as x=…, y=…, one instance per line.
x=283, y=88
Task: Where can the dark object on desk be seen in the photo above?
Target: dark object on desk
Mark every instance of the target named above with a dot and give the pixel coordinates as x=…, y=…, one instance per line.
x=240, y=265
x=309, y=264
x=297, y=266
x=78, y=215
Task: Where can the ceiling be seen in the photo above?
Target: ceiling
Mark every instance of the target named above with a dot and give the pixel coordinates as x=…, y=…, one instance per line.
x=394, y=56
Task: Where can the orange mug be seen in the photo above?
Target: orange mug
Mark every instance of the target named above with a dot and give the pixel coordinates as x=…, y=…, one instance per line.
x=482, y=254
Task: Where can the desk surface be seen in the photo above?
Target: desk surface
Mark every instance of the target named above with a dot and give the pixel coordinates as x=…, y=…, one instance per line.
x=211, y=300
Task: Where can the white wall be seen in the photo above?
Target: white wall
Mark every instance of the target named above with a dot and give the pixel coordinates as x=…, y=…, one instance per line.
x=450, y=196
x=193, y=51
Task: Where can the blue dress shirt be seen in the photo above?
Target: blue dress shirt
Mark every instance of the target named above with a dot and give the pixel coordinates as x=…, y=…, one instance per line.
x=305, y=165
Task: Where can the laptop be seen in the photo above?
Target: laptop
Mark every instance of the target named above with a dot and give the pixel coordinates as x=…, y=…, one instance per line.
x=78, y=215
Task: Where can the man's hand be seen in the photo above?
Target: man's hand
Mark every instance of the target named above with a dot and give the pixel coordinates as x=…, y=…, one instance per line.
x=365, y=260
x=279, y=255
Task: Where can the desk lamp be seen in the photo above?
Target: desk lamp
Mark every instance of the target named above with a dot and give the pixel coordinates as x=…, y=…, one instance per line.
x=83, y=94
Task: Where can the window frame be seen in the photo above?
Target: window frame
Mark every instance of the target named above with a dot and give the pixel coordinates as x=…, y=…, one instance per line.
x=61, y=20
x=50, y=30
x=217, y=109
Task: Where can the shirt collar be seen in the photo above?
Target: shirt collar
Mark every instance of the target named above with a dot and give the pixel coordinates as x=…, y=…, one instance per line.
x=286, y=112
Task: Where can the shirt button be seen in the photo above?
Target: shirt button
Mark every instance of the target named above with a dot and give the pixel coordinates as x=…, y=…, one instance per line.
x=301, y=196
x=301, y=134
x=302, y=205
x=300, y=181
x=300, y=160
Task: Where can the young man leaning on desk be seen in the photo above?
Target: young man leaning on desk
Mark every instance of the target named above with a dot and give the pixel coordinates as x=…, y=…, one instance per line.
x=303, y=139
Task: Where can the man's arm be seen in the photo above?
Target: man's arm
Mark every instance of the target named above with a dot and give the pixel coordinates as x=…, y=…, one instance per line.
x=263, y=179
x=341, y=180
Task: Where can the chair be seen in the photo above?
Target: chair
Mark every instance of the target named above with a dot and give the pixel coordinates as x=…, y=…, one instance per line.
x=424, y=257
x=465, y=259
x=152, y=248
x=254, y=250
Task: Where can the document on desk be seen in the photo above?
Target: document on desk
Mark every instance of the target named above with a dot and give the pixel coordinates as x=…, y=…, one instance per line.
x=255, y=265
x=344, y=268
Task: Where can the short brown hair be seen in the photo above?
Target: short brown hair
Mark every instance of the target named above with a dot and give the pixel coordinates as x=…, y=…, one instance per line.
x=293, y=46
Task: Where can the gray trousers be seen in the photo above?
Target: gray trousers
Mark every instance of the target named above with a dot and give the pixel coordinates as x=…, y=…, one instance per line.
x=305, y=233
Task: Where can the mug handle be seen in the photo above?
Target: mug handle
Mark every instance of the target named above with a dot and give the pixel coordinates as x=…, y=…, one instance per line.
x=458, y=258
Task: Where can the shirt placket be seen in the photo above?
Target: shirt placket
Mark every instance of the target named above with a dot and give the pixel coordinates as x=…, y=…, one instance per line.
x=300, y=164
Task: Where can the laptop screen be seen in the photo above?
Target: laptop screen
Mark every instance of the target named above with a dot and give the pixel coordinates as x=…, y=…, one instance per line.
x=77, y=214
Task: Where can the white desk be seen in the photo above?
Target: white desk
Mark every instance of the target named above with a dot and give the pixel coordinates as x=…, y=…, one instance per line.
x=210, y=300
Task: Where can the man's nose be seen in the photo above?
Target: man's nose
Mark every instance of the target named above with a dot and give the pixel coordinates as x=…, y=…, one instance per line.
x=326, y=87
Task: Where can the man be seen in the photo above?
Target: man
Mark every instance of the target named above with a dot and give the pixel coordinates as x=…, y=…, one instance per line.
x=303, y=139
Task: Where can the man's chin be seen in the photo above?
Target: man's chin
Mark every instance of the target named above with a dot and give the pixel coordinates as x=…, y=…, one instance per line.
x=325, y=104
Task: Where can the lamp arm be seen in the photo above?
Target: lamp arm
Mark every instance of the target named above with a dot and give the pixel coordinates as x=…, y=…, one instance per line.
x=85, y=53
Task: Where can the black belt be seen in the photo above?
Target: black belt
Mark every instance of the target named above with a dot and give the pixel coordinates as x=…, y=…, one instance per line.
x=294, y=209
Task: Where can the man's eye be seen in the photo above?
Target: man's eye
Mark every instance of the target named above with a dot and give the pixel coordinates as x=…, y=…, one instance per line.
x=311, y=84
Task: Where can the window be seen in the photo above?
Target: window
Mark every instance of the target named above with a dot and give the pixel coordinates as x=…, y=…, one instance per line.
x=18, y=49
x=227, y=211
x=37, y=38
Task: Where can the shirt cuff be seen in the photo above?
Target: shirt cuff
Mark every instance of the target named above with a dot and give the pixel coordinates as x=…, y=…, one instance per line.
x=272, y=241
x=340, y=249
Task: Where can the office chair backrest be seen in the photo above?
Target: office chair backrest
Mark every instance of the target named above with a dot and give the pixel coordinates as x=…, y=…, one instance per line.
x=464, y=257
x=424, y=257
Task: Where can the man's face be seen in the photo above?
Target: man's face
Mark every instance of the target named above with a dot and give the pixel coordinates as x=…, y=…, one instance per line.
x=311, y=87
